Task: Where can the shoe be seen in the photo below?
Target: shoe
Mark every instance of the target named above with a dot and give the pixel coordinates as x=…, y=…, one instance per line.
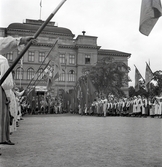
x=8, y=143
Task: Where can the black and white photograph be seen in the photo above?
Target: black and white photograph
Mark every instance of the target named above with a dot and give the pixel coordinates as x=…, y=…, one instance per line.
x=80, y=83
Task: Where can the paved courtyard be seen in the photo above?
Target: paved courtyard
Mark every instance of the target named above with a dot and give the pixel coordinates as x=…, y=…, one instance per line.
x=66, y=140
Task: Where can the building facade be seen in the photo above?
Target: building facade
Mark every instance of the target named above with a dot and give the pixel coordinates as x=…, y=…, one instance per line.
x=74, y=54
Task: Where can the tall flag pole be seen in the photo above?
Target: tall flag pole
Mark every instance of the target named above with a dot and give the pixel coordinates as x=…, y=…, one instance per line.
x=30, y=42
x=148, y=77
x=151, y=10
x=40, y=8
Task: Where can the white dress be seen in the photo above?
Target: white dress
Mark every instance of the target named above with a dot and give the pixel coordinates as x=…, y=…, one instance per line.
x=159, y=99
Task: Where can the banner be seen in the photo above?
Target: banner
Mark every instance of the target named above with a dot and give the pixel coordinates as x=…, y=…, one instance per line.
x=150, y=13
x=139, y=81
x=148, y=76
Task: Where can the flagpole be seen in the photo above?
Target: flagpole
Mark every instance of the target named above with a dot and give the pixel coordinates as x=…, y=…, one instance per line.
x=40, y=9
x=30, y=42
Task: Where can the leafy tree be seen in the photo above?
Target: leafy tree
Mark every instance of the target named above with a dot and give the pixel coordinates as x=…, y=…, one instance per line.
x=158, y=79
x=155, y=87
x=109, y=77
x=132, y=91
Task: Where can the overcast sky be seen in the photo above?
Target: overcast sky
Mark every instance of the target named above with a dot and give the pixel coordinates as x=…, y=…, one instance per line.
x=114, y=22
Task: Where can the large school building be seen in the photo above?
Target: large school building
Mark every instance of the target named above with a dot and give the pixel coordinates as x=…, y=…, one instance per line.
x=75, y=53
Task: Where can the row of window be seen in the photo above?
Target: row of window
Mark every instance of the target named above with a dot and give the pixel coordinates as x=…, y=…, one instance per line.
x=19, y=74
x=42, y=55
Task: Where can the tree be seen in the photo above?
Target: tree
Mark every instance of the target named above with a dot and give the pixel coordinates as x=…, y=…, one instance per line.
x=109, y=77
x=155, y=87
x=132, y=91
x=158, y=85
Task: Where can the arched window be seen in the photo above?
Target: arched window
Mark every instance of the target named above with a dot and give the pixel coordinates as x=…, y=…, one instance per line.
x=71, y=76
x=19, y=73
x=62, y=76
x=30, y=73
x=40, y=74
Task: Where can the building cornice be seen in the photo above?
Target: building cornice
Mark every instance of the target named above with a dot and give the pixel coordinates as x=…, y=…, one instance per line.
x=113, y=53
x=43, y=32
x=88, y=46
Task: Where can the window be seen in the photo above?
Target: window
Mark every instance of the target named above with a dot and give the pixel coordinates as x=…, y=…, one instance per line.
x=87, y=59
x=30, y=73
x=62, y=76
x=71, y=59
x=19, y=73
x=40, y=74
x=9, y=56
x=31, y=56
x=62, y=58
x=71, y=76
x=41, y=56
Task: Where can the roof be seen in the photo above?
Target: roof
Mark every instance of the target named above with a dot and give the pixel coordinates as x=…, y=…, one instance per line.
x=113, y=53
x=32, y=27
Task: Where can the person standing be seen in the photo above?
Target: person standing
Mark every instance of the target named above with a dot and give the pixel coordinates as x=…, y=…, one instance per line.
x=7, y=44
x=104, y=106
x=135, y=104
x=159, y=110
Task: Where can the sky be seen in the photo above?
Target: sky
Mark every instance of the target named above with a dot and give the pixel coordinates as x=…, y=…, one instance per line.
x=114, y=22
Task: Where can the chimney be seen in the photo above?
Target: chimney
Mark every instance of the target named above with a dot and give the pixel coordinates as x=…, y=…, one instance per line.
x=83, y=32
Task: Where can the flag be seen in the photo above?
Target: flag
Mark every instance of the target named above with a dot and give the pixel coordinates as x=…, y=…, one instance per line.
x=148, y=76
x=55, y=66
x=91, y=92
x=150, y=13
x=47, y=73
x=82, y=94
x=138, y=79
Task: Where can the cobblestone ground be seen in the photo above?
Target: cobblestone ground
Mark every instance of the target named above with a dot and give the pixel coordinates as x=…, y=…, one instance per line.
x=83, y=141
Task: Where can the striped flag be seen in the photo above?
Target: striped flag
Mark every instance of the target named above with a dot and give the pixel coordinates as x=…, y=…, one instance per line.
x=150, y=13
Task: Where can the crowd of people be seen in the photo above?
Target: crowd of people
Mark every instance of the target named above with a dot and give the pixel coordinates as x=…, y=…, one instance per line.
x=136, y=106
x=43, y=106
